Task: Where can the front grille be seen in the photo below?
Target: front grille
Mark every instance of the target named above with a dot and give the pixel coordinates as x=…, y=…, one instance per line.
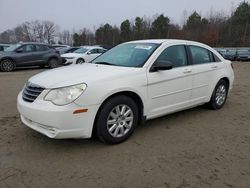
x=31, y=92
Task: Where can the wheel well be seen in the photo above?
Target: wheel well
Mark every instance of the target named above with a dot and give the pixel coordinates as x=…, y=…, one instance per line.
x=6, y=58
x=81, y=58
x=52, y=57
x=133, y=96
x=226, y=80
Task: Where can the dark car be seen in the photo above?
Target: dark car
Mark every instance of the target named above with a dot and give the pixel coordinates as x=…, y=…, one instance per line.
x=4, y=46
x=243, y=55
x=68, y=50
x=29, y=54
x=231, y=55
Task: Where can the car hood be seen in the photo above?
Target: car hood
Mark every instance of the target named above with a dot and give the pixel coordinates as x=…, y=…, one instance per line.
x=4, y=53
x=75, y=74
x=72, y=55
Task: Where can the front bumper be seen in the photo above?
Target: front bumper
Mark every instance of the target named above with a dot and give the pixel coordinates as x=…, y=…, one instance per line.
x=66, y=61
x=57, y=121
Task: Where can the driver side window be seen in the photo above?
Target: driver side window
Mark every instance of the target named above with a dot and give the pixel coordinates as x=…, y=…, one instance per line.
x=94, y=51
x=28, y=48
x=174, y=54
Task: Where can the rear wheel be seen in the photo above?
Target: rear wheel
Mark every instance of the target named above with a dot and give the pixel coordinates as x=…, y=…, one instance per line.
x=53, y=63
x=117, y=120
x=219, y=96
x=7, y=65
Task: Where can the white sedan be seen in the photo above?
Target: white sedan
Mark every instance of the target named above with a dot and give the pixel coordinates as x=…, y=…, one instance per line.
x=84, y=54
x=128, y=84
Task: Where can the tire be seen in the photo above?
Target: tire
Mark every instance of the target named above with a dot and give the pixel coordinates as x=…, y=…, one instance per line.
x=7, y=65
x=53, y=63
x=80, y=61
x=114, y=126
x=219, y=95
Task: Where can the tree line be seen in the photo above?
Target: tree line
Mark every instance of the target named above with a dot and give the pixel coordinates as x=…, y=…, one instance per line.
x=217, y=29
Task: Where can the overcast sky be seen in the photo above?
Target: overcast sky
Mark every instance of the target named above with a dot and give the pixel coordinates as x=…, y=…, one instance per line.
x=76, y=14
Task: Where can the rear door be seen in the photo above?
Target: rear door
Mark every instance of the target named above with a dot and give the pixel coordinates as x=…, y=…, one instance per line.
x=40, y=53
x=204, y=70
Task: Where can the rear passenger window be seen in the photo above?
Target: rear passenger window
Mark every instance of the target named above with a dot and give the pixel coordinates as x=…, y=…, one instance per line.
x=200, y=55
x=94, y=51
x=174, y=54
x=101, y=51
x=216, y=59
x=41, y=48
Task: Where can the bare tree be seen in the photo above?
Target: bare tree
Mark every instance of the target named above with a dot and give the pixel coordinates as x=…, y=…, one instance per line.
x=49, y=31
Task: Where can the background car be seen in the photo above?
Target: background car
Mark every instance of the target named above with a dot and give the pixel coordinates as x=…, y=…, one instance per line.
x=68, y=50
x=243, y=55
x=84, y=54
x=231, y=55
x=4, y=46
x=59, y=46
x=29, y=54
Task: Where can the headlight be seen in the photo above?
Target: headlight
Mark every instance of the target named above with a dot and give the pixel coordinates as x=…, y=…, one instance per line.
x=65, y=95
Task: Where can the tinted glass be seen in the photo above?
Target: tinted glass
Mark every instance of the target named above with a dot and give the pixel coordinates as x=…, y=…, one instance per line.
x=216, y=59
x=81, y=50
x=28, y=48
x=174, y=54
x=41, y=48
x=200, y=55
x=101, y=51
x=94, y=51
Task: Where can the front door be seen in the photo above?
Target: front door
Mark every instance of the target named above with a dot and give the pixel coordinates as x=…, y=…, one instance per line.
x=170, y=90
x=92, y=54
x=25, y=54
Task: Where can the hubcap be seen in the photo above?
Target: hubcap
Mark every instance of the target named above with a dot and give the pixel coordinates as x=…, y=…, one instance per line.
x=80, y=61
x=53, y=63
x=7, y=65
x=220, y=95
x=120, y=120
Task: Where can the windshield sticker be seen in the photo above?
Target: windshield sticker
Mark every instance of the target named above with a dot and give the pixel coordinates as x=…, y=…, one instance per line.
x=144, y=47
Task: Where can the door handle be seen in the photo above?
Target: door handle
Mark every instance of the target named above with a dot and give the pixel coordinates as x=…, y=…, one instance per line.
x=187, y=71
x=214, y=67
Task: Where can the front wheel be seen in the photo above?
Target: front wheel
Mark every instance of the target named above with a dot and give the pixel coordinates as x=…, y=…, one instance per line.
x=7, y=65
x=80, y=61
x=219, y=96
x=53, y=63
x=117, y=120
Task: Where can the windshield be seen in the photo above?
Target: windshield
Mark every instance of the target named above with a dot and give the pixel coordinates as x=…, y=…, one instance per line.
x=12, y=48
x=63, y=50
x=81, y=50
x=127, y=55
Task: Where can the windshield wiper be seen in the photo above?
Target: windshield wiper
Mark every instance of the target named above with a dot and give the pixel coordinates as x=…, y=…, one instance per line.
x=105, y=63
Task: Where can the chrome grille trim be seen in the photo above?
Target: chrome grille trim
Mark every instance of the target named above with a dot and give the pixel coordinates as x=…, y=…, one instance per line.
x=31, y=92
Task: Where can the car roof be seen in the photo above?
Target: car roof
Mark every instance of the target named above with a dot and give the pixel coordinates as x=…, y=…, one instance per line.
x=166, y=41
x=34, y=43
x=92, y=47
x=1, y=44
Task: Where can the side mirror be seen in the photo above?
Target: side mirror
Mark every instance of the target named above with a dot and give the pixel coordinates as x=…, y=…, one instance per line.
x=161, y=65
x=88, y=53
x=19, y=50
